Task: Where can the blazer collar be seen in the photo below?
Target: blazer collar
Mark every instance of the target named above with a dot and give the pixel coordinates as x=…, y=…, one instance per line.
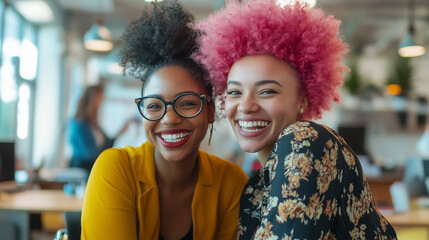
x=205, y=174
x=147, y=173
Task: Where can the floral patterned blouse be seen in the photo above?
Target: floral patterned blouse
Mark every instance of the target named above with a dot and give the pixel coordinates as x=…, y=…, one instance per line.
x=311, y=187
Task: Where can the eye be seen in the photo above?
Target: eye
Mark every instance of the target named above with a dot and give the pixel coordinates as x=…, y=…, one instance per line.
x=232, y=92
x=267, y=91
x=188, y=103
x=153, y=106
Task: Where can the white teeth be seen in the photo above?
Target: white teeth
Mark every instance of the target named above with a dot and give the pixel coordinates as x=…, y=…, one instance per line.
x=245, y=125
x=174, y=137
x=251, y=130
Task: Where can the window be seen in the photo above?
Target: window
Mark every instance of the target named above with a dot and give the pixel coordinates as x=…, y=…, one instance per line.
x=18, y=72
x=27, y=75
x=1, y=23
x=8, y=74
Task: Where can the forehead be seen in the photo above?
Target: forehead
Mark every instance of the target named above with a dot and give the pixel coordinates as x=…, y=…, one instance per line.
x=252, y=68
x=172, y=80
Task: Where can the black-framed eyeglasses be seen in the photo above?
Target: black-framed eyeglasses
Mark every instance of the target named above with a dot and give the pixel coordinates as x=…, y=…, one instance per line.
x=186, y=105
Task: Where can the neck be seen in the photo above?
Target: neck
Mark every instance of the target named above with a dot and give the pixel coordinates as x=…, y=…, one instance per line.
x=263, y=157
x=176, y=176
x=264, y=153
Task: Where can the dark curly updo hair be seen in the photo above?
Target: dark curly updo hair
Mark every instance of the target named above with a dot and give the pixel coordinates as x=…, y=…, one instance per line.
x=161, y=36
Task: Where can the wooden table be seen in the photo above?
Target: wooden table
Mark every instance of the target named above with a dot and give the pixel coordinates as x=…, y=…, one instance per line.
x=380, y=186
x=16, y=207
x=412, y=218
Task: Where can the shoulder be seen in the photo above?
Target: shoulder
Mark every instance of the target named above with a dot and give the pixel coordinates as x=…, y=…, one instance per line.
x=75, y=125
x=306, y=140
x=309, y=131
x=120, y=159
x=112, y=158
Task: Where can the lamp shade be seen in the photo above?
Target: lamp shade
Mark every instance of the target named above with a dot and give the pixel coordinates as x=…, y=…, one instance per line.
x=98, y=38
x=409, y=48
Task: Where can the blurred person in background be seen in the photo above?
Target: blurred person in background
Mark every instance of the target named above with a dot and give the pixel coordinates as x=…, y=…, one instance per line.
x=86, y=137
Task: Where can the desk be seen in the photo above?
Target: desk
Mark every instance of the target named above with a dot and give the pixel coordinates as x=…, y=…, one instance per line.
x=412, y=218
x=16, y=207
x=380, y=186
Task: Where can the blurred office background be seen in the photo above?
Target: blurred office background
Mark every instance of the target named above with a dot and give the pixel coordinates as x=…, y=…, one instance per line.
x=45, y=65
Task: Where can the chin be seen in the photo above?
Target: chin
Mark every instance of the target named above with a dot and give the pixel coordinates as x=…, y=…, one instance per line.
x=249, y=146
x=172, y=157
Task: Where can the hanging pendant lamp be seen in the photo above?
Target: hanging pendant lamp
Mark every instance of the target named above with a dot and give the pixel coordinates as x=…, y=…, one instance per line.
x=98, y=38
x=408, y=47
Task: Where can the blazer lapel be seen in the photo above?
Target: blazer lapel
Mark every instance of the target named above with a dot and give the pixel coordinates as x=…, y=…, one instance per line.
x=148, y=199
x=204, y=203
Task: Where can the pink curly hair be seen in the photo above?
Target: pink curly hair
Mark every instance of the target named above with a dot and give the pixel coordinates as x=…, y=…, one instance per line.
x=304, y=37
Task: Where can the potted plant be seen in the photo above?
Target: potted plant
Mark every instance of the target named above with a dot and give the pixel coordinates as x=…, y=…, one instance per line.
x=401, y=75
x=352, y=82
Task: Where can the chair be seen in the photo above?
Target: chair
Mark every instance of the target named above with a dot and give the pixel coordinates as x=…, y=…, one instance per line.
x=61, y=234
x=8, y=230
x=73, y=227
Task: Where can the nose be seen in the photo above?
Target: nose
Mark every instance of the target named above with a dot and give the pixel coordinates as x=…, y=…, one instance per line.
x=248, y=104
x=170, y=117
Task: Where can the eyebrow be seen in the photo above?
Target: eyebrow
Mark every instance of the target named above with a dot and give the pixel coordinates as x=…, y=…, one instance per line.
x=259, y=83
x=161, y=96
x=153, y=95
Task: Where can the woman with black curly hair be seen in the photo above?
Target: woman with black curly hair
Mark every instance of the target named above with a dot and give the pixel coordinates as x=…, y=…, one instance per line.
x=167, y=188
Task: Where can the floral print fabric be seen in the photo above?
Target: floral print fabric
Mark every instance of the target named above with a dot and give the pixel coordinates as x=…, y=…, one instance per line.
x=311, y=187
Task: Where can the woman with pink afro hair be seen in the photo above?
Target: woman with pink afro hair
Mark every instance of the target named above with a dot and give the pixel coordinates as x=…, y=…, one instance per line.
x=303, y=37
x=275, y=68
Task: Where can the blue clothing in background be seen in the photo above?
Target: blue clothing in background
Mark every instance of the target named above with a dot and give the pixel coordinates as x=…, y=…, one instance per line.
x=83, y=143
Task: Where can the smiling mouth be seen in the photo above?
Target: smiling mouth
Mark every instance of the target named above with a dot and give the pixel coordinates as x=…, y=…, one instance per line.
x=252, y=126
x=173, y=138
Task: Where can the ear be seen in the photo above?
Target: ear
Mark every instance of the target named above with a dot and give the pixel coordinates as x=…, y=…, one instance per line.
x=303, y=103
x=211, y=111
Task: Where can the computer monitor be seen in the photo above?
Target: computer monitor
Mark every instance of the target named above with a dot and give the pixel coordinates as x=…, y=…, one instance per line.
x=426, y=175
x=7, y=161
x=416, y=171
x=355, y=137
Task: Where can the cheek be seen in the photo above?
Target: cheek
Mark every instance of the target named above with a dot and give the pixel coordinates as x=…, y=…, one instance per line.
x=230, y=107
x=275, y=111
x=282, y=110
x=201, y=127
x=201, y=121
x=148, y=127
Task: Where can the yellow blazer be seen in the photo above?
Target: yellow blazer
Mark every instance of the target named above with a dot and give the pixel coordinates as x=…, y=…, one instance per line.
x=122, y=201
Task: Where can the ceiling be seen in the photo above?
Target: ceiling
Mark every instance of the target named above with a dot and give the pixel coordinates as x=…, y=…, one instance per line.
x=377, y=23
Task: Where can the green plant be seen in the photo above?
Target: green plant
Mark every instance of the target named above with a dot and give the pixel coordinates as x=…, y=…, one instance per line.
x=370, y=91
x=353, y=80
x=401, y=74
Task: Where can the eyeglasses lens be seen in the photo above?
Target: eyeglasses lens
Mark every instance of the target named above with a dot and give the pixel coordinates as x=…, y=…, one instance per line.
x=188, y=105
x=185, y=106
